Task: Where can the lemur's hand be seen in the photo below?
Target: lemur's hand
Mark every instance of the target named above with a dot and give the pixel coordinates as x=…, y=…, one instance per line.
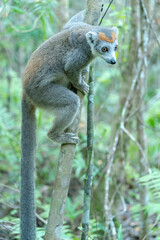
x=83, y=87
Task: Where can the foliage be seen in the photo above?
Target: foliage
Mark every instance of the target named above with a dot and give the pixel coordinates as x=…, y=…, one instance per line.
x=24, y=26
x=120, y=235
x=152, y=181
x=29, y=13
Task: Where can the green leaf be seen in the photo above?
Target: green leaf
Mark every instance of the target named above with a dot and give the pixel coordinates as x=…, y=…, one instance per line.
x=120, y=236
x=44, y=27
x=18, y=10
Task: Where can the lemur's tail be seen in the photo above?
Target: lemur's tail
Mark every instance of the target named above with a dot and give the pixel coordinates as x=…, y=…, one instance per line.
x=28, y=144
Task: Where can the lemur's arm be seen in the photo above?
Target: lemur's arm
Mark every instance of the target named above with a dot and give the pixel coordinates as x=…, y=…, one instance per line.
x=75, y=62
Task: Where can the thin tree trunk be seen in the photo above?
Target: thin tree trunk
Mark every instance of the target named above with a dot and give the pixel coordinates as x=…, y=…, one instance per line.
x=141, y=135
x=93, y=11
x=61, y=184
x=62, y=13
x=89, y=175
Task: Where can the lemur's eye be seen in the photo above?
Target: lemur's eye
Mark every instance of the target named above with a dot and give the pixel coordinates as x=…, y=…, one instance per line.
x=104, y=49
x=116, y=48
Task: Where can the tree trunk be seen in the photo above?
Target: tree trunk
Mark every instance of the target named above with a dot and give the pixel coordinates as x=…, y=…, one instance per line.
x=90, y=153
x=141, y=135
x=62, y=13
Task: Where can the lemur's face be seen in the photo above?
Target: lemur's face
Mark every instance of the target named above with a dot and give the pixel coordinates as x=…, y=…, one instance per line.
x=104, y=44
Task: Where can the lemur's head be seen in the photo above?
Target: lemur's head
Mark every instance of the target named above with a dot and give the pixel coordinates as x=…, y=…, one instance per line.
x=104, y=43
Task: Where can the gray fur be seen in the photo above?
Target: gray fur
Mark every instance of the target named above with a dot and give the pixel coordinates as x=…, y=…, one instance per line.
x=76, y=20
x=28, y=220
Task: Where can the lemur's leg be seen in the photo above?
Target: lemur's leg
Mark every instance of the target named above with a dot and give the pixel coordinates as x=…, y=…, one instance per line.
x=64, y=104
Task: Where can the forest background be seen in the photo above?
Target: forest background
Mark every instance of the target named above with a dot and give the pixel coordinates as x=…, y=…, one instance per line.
x=126, y=179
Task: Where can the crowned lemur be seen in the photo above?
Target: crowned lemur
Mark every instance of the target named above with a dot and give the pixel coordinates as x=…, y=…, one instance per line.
x=57, y=64
x=53, y=67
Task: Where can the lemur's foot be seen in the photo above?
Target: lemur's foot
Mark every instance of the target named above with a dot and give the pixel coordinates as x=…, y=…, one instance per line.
x=64, y=138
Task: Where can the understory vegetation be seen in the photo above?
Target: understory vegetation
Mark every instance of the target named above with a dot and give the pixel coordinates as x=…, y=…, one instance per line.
x=127, y=145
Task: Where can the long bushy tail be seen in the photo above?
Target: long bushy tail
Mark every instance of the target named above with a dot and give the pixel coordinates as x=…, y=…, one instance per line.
x=28, y=144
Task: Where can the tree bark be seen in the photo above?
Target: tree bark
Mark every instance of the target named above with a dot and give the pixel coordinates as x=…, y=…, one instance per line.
x=141, y=135
x=90, y=153
x=61, y=184
x=93, y=11
x=62, y=13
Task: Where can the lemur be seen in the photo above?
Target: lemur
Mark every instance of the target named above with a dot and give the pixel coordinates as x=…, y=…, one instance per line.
x=52, y=68
x=56, y=64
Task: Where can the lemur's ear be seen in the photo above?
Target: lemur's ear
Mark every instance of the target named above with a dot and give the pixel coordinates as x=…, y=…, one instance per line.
x=92, y=37
x=115, y=30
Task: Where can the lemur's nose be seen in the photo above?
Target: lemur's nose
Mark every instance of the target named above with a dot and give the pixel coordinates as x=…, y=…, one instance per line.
x=113, y=61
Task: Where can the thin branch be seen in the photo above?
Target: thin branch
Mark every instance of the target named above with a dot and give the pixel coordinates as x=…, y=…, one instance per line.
x=134, y=82
x=9, y=205
x=12, y=189
x=123, y=204
x=16, y=207
x=29, y=30
x=132, y=114
x=133, y=139
x=89, y=174
x=105, y=12
x=41, y=219
x=148, y=21
x=151, y=229
x=121, y=198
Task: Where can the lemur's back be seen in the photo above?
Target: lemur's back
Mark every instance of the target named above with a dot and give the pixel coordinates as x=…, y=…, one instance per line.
x=49, y=58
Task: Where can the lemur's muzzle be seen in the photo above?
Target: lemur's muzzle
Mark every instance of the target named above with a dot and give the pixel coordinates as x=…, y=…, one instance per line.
x=113, y=61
